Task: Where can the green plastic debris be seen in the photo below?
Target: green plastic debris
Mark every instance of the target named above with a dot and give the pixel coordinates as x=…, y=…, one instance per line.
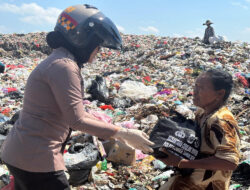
x=104, y=165
x=242, y=132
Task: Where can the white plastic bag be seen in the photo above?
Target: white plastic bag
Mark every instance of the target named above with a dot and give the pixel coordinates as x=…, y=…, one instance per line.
x=136, y=90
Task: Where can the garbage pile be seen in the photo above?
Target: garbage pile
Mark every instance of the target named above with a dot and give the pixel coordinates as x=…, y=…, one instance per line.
x=149, y=79
x=23, y=45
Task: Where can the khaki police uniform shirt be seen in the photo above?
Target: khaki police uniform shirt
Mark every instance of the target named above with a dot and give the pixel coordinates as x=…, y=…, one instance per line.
x=52, y=105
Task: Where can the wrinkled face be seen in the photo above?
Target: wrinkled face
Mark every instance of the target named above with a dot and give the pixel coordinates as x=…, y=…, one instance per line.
x=93, y=54
x=204, y=93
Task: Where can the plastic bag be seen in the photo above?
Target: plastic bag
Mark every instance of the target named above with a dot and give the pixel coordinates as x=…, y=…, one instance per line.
x=216, y=39
x=178, y=135
x=14, y=118
x=3, y=118
x=2, y=67
x=136, y=90
x=101, y=116
x=79, y=160
x=14, y=95
x=6, y=126
x=121, y=103
x=99, y=90
x=242, y=174
x=11, y=184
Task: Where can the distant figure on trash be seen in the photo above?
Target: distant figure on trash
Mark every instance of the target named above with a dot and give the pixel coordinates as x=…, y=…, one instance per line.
x=209, y=32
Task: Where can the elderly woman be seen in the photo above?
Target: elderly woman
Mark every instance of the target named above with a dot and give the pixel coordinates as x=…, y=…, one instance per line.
x=219, y=153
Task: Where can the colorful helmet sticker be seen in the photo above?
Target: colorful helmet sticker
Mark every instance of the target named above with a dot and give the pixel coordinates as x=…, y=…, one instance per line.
x=67, y=21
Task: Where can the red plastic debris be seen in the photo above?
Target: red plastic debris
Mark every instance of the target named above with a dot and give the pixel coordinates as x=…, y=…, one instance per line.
x=237, y=63
x=136, y=67
x=127, y=69
x=11, y=185
x=104, y=107
x=14, y=66
x=6, y=111
x=243, y=80
x=11, y=90
x=111, y=174
x=147, y=78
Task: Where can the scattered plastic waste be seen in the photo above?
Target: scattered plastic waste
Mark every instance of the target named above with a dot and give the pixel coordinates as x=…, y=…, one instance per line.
x=164, y=175
x=134, y=88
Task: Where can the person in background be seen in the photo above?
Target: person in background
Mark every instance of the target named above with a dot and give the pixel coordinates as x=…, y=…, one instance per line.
x=219, y=153
x=33, y=150
x=209, y=32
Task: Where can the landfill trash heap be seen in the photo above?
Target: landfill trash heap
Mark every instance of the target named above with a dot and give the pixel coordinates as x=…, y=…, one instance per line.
x=149, y=79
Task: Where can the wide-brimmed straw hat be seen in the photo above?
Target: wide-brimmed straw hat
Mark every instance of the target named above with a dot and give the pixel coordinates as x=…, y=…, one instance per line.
x=208, y=22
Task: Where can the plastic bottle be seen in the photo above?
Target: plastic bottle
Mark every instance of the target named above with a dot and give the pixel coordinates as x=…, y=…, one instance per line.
x=104, y=165
x=234, y=186
x=165, y=175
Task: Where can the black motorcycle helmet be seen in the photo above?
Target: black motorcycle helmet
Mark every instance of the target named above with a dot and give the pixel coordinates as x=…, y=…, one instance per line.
x=82, y=28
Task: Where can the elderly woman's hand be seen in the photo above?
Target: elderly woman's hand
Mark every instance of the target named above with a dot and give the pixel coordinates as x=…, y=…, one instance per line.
x=170, y=159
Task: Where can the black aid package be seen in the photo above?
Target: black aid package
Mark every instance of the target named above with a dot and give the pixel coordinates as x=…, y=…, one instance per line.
x=178, y=135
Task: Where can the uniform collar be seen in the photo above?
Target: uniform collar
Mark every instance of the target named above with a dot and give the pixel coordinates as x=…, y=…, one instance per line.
x=66, y=53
